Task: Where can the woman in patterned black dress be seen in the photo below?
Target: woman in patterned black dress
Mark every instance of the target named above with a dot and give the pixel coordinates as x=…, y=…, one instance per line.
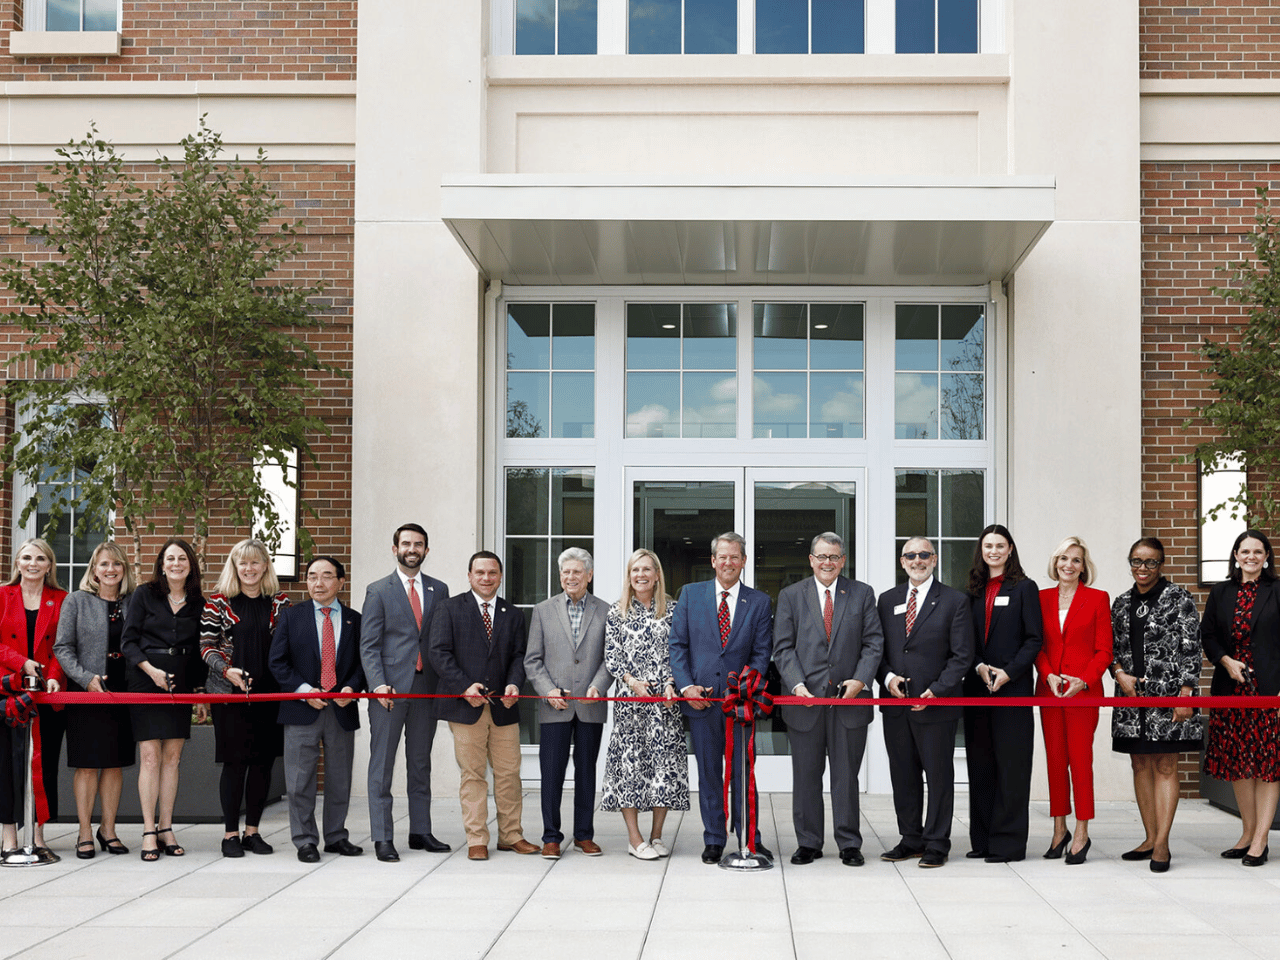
x=647, y=765
x=1241, y=637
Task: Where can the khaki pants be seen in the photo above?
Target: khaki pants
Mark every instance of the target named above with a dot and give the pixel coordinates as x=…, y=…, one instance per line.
x=477, y=746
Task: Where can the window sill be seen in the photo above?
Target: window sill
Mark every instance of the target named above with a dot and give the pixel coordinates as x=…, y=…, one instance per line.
x=58, y=43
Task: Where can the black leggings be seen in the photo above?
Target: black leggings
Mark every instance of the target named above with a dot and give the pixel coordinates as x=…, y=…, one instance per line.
x=250, y=781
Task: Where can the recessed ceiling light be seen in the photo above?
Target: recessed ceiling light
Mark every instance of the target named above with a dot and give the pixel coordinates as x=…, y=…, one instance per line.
x=668, y=326
x=819, y=326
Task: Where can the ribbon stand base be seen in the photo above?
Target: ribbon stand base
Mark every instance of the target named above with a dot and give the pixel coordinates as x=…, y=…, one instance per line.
x=28, y=855
x=742, y=858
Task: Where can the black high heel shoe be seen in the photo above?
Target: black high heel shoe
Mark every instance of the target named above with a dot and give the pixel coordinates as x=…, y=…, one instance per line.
x=1257, y=861
x=111, y=844
x=1056, y=851
x=1075, y=858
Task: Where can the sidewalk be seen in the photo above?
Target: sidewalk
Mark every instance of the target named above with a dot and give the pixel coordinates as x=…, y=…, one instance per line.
x=616, y=907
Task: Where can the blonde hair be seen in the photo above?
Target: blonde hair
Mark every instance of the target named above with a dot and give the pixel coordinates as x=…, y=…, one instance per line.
x=660, y=598
x=229, y=583
x=50, y=575
x=89, y=582
x=1089, y=573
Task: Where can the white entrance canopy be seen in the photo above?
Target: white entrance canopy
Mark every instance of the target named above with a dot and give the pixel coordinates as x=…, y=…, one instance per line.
x=528, y=230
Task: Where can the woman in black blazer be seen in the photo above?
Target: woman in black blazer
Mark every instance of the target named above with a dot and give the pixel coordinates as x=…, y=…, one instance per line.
x=999, y=740
x=1240, y=633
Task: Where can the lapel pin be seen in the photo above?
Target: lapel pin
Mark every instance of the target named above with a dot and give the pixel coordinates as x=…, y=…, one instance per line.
x=48, y=603
x=432, y=589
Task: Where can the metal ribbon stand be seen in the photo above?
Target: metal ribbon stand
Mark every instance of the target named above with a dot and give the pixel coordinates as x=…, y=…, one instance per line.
x=742, y=858
x=28, y=855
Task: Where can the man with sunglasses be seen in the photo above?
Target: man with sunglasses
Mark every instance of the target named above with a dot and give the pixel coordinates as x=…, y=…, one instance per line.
x=928, y=646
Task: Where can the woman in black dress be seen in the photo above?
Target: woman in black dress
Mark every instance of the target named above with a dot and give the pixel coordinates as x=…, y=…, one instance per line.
x=1157, y=651
x=99, y=735
x=161, y=645
x=1241, y=637
x=235, y=641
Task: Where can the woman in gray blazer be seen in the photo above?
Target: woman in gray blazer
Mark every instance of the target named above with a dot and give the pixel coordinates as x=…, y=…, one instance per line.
x=99, y=736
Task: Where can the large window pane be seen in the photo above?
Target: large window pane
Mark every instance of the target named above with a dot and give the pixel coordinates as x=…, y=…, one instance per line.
x=572, y=404
x=653, y=26
x=525, y=572
x=680, y=337
x=710, y=26
x=951, y=339
x=653, y=336
x=653, y=404
x=915, y=406
x=710, y=407
x=573, y=494
x=798, y=336
x=573, y=345
x=839, y=26
x=780, y=407
x=100, y=14
x=781, y=342
x=957, y=26
x=913, y=22
x=577, y=27
x=963, y=408
x=528, y=403
x=527, y=500
x=836, y=405
x=535, y=26
x=962, y=336
x=782, y=26
x=916, y=337
x=710, y=336
x=836, y=329
x=528, y=336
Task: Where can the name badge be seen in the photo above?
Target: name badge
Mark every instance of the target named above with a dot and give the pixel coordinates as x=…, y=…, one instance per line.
x=900, y=608
x=1002, y=601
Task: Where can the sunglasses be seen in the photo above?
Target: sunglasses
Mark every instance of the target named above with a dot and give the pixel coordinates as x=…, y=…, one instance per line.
x=918, y=555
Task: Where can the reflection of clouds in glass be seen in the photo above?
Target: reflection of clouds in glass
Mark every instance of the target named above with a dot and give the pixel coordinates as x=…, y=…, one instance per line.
x=843, y=406
x=775, y=404
x=641, y=422
x=916, y=405
x=711, y=403
x=536, y=12
x=651, y=10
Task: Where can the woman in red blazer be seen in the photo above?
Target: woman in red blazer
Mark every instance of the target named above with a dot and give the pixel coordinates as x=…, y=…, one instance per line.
x=29, y=606
x=1076, y=651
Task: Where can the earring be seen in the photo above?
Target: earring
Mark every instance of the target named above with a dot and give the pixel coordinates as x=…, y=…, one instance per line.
x=1265, y=564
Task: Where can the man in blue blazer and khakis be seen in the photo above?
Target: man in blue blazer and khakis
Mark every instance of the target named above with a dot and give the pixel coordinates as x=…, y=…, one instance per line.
x=720, y=626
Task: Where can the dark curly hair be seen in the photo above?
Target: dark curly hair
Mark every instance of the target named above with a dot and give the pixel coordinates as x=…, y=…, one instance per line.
x=979, y=574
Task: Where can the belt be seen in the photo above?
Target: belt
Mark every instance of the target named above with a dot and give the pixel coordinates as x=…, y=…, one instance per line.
x=173, y=651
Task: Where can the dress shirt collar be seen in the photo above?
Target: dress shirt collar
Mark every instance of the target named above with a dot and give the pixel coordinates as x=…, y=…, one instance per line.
x=922, y=591
x=822, y=591
x=418, y=579
x=480, y=602
x=336, y=607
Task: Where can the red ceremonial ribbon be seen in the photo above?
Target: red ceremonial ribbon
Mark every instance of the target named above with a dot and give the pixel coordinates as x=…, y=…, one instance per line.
x=745, y=699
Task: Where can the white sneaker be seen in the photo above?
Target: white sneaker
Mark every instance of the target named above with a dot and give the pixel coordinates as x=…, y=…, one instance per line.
x=643, y=852
x=659, y=847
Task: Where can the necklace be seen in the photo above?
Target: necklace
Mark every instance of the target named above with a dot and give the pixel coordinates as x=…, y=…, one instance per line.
x=1142, y=611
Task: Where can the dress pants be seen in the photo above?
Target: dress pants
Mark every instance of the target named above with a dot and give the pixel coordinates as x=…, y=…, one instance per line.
x=809, y=751
x=1068, y=745
x=998, y=746
x=416, y=719
x=708, y=749
x=301, y=758
x=553, y=760
x=916, y=750
x=477, y=746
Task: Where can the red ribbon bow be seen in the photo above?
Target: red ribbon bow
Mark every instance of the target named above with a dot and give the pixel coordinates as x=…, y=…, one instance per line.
x=745, y=699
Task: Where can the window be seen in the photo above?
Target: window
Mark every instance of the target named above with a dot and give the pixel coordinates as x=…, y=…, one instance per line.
x=551, y=358
x=1222, y=486
x=947, y=506
x=555, y=26
x=810, y=26
x=682, y=26
x=808, y=370
x=69, y=15
x=936, y=26
x=682, y=363
x=280, y=479
x=939, y=363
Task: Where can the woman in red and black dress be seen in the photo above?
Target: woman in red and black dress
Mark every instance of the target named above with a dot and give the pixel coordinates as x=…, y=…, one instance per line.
x=1241, y=637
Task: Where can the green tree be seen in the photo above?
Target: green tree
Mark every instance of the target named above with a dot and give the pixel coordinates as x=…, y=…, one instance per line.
x=172, y=360
x=1245, y=415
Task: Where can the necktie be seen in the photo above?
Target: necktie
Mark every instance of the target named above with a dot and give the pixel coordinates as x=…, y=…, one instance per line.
x=328, y=652
x=488, y=621
x=827, y=612
x=724, y=619
x=416, y=604
x=911, y=611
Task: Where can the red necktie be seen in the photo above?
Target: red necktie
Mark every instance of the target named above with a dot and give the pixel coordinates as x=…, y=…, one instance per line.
x=724, y=619
x=328, y=653
x=488, y=621
x=911, y=611
x=416, y=604
x=827, y=612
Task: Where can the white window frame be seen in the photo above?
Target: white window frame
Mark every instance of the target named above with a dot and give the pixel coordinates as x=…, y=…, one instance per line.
x=34, y=18
x=272, y=475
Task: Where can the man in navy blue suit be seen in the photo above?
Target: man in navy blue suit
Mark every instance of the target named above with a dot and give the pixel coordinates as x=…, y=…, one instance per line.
x=720, y=626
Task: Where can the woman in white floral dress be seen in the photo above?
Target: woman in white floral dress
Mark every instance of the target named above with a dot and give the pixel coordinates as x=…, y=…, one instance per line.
x=647, y=766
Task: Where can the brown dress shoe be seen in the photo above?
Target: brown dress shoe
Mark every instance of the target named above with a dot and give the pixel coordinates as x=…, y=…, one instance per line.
x=520, y=846
x=477, y=853
x=589, y=847
x=551, y=851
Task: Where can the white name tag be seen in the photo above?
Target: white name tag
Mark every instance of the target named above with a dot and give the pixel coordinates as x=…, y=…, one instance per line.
x=900, y=608
x=1002, y=601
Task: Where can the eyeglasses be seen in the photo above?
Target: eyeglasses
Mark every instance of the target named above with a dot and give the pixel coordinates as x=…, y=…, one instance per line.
x=827, y=557
x=1135, y=563
x=321, y=577
x=918, y=555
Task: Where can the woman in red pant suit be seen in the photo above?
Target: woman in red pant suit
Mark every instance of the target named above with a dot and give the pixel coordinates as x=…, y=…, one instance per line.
x=1076, y=651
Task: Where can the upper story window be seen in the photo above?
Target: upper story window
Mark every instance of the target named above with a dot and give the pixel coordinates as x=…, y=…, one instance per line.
x=682, y=26
x=936, y=26
x=78, y=15
x=555, y=26
x=551, y=361
x=810, y=26
x=939, y=359
x=682, y=363
x=809, y=369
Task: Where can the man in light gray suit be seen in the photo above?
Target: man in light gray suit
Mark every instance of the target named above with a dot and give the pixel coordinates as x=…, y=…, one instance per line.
x=565, y=658
x=827, y=642
x=396, y=624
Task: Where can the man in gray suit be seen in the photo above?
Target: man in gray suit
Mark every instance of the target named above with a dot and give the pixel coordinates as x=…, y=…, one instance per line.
x=827, y=642
x=396, y=624
x=565, y=658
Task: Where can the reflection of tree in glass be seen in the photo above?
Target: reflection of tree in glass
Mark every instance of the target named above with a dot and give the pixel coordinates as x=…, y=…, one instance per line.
x=962, y=394
x=521, y=422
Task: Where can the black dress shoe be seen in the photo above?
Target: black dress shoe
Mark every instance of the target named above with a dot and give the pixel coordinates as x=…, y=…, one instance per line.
x=1257, y=861
x=932, y=859
x=1134, y=855
x=253, y=843
x=1075, y=858
x=343, y=847
x=231, y=847
x=427, y=842
x=308, y=853
x=805, y=855
x=900, y=853
x=1234, y=853
x=764, y=851
x=1001, y=858
x=852, y=857
x=712, y=852
x=1056, y=851
x=385, y=851
x=1160, y=866
x=976, y=855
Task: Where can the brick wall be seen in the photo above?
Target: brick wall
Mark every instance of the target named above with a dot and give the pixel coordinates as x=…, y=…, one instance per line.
x=321, y=196
x=209, y=40
x=1212, y=39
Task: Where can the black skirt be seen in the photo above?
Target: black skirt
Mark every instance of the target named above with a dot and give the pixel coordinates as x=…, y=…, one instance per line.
x=247, y=733
x=163, y=721
x=99, y=735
